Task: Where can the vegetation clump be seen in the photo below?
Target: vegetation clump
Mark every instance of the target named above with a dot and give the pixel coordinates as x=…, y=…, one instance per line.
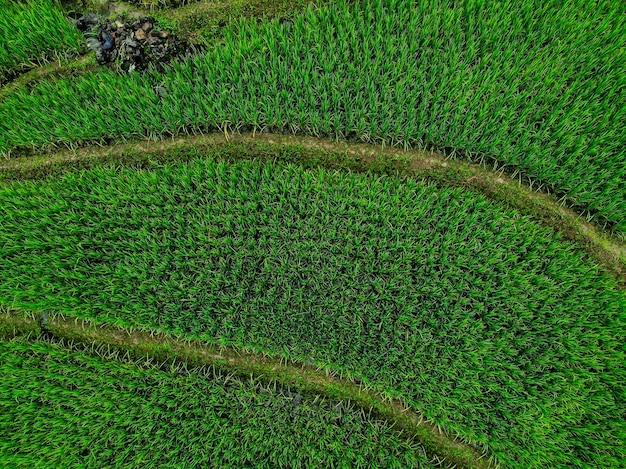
x=205, y=22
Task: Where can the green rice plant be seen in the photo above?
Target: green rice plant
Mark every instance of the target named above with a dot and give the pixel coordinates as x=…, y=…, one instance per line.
x=33, y=32
x=533, y=86
x=67, y=406
x=496, y=329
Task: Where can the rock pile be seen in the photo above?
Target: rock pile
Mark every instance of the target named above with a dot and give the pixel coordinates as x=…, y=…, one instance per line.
x=132, y=45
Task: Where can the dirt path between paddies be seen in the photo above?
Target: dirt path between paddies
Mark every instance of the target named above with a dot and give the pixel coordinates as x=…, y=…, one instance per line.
x=605, y=249
x=53, y=69
x=445, y=449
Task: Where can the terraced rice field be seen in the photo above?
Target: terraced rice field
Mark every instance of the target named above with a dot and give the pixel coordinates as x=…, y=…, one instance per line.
x=133, y=413
x=432, y=294
x=473, y=78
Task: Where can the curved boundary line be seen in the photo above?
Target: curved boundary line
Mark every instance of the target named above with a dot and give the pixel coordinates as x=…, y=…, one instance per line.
x=444, y=449
x=606, y=249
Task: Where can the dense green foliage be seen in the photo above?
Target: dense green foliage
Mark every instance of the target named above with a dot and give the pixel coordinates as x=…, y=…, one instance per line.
x=64, y=407
x=534, y=84
x=32, y=32
x=492, y=326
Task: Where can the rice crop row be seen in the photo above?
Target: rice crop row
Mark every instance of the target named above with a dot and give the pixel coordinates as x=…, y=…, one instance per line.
x=491, y=326
x=33, y=32
x=534, y=84
x=71, y=407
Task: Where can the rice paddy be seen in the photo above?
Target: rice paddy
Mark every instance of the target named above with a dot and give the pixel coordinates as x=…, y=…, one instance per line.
x=472, y=78
x=496, y=328
x=401, y=284
x=135, y=413
x=33, y=32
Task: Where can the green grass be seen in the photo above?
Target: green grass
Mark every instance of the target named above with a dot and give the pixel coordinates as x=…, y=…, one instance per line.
x=33, y=32
x=492, y=326
x=76, y=407
x=604, y=248
x=532, y=84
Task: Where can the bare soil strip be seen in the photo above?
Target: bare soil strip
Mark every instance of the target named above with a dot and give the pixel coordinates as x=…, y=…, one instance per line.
x=605, y=248
x=447, y=450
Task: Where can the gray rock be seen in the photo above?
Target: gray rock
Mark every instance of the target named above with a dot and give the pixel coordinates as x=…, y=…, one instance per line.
x=84, y=22
x=109, y=42
x=43, y=320
x=161, y=91
x=94, y=44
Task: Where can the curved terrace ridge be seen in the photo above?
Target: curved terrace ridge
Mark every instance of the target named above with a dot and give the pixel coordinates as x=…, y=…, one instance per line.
x=605, y=248
x=445, y=449
x=413, y=287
